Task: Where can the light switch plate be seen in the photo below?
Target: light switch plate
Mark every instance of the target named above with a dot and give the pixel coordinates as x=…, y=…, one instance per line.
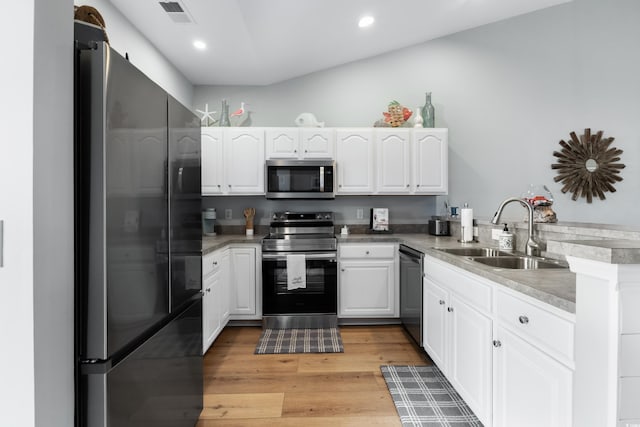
x=359, y=213
x=228, y=214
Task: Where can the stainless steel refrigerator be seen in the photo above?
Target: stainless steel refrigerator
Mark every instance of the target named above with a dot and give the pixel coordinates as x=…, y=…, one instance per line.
x=138, y=248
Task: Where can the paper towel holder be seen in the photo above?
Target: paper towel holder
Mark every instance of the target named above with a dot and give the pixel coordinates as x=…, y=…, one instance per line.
x=463, y=227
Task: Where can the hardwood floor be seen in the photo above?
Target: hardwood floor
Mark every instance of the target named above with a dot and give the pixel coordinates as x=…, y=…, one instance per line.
x=328, y=389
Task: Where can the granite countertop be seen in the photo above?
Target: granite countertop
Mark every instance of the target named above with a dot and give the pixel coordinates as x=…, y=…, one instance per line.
x=609, y=251
x=556, y=287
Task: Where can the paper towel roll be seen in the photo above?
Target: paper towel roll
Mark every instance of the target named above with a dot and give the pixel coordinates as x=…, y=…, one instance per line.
x=466, y=225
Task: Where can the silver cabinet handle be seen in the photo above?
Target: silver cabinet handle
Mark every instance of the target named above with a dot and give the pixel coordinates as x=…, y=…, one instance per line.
x=497, y=343
x=441, y=302
x=306, y=151
x=407, y=185
x=449, y=309
x=523, y=319
x=367, y=252
x=1, y=243
x=208, y=289
x=215, y=263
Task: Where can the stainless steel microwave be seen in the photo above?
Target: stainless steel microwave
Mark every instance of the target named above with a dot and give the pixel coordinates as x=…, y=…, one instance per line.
x=300, y=179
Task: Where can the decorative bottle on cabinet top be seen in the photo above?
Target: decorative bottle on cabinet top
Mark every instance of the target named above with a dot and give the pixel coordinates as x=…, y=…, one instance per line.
x=224, y=114
x=428, y=113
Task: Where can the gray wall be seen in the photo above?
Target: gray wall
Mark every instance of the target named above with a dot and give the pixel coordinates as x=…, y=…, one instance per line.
x=508, y=92
x=53, y=213
x=125, y=38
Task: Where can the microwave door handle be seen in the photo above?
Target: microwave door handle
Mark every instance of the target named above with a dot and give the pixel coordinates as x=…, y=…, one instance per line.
x=322, y=179
x=180, y=170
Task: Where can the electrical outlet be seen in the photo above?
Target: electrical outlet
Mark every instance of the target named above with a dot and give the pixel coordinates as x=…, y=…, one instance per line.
x=359, y=213
x=228, y=214
x=495, y=233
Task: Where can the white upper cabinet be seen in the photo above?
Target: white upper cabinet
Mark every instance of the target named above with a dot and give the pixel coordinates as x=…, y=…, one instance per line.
x=317, y=143
x=300, y=143
x=212, y=161
x=369, y=161
x=430, y=156
x=283, y=143
x=354, y=160
x=393, y=167
x=244, y=160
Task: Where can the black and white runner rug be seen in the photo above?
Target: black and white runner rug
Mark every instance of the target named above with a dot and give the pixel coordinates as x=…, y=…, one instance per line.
x=282, y=341
x=424, y=397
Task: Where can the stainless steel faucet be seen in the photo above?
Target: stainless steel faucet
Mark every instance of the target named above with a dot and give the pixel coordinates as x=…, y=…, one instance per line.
x=532, y=247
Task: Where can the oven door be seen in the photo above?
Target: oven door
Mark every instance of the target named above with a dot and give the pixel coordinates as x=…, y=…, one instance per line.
x=320, y=294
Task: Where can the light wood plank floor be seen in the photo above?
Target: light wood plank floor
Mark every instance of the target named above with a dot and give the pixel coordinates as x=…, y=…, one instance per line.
x=329, y=389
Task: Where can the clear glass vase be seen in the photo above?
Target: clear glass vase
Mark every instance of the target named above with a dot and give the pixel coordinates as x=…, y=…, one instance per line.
x=428, y=113
x=224, y=114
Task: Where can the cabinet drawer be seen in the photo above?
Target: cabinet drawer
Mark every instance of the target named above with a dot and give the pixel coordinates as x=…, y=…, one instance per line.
x=548, y=331
x=474, y=292
x=210, y=263
x=367, y=251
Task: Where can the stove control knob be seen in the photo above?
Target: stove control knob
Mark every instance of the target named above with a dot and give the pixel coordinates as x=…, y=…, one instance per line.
x=327, y=216
x=318, y=216
x=275, y=216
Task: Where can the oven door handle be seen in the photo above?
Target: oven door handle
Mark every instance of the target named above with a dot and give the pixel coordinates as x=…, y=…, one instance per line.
x=282, y=256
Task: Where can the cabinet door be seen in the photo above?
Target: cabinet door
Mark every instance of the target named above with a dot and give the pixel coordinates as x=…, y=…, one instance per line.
x=212, y=161
x=430, y=161
x=530, y=388
x=354, y=161
x=434, y=316
x=470, y=351
x=282, y=143
x=210, y=311
x=243, y=281
x=244, y=154
x=317, y=143
x=225, y=286
x=367, y=289
x=393, y=168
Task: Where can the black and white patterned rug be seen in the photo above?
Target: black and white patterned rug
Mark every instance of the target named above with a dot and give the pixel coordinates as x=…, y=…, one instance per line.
x=282, y=341
x=424, y=397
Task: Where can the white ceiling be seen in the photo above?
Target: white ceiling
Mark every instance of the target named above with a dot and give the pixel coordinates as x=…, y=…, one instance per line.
x=259, y=42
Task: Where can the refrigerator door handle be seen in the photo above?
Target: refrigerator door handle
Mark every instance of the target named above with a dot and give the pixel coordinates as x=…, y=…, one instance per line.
x=180, y=170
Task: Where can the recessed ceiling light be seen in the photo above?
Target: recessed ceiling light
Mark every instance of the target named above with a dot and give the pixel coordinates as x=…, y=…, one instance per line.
x=366, y=21
x=200, y=45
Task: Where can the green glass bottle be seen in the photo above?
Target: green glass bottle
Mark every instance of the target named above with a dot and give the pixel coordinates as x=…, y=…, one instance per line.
x=224, y=115
x=428, y=113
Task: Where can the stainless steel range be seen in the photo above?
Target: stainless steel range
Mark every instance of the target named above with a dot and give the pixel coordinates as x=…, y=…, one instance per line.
x=299, y=268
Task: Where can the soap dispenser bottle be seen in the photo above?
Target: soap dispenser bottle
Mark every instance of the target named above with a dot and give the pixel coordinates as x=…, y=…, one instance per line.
x=505, y=240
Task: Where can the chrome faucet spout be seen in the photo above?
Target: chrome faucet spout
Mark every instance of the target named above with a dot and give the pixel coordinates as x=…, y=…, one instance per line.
x=532, y=247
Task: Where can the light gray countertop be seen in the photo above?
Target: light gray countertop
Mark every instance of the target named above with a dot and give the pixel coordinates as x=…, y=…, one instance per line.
x=556, y=287
x=608, y=251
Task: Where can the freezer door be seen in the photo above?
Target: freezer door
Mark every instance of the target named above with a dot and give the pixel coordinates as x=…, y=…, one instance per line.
x=158, y=385
x=124, y=285
x=185, y=203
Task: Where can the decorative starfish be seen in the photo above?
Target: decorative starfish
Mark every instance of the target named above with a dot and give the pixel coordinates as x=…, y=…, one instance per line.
x=206, y=115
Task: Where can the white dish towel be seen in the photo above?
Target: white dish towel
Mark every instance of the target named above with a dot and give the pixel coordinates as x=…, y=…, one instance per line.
x=296, y=272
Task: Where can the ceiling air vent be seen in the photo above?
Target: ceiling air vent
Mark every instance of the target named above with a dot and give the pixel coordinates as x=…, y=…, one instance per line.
x=177, y=12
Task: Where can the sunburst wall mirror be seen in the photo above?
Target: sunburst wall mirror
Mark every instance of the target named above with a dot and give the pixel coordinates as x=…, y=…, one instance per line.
x=587, y=166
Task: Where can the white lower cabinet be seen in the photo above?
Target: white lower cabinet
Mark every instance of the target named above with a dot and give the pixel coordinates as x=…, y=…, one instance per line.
x=215, y=301
x=530, y=387
x=510, y=357
x=367, y=280
x=457, y=337
x=245, y=283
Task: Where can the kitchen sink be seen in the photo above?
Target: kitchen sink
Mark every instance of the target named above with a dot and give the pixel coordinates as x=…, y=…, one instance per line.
x=519, y=262
x=479, y=252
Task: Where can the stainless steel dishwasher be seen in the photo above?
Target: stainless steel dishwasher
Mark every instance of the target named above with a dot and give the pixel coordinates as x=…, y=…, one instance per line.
x=411, y=274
